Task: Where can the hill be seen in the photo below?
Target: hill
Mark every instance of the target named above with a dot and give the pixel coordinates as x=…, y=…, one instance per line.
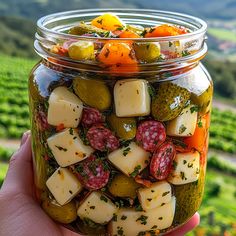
x=33, y=9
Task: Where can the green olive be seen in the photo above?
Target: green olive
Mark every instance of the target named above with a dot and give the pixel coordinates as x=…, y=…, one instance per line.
x=124, y=127
x=92, y=92
x=86, y=29
x=64, y=214
x=147, y=52
x=204, y=100
x=169, y=101
x=81, y=50
x=123, y=186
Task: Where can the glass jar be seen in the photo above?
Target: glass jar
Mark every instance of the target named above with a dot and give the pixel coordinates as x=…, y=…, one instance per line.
x=120, y=147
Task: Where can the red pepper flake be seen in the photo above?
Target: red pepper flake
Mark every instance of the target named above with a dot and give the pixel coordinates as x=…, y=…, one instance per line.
x=60, y=127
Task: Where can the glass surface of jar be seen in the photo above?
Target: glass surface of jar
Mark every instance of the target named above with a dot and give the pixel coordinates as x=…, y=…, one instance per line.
x=120, y=125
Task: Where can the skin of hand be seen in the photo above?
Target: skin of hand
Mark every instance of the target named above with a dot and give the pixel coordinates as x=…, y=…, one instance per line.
x=21, y=214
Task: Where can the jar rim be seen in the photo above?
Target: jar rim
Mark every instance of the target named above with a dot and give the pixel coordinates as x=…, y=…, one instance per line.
x=199, y=24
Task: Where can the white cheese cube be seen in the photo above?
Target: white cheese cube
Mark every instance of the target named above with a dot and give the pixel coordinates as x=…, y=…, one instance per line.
x=68, y=148
x=64, y=108
x=154, y=196
x=97, y=208
x=132, y=98
x=130, y=160
x=63, y=185
x=184, y=124
x=134, y=222
x=187, y=167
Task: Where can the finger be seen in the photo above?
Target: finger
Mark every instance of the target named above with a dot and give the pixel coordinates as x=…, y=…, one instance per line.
x=19, y=176
x=190, y=225
x=24, y=137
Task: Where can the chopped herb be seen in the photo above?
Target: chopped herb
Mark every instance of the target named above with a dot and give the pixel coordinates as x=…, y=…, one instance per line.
x=165, y=193
x=120, y=203
x=146, y=161
x=151, y=91
x=174, y=164
x=103, y=198
x=123, y=217
x=185, y=53
x=138, y=208
x=126, y=151
x=184, y=161
x=194, y=109
x=120, y=28
x=143, y=33
x=160, y=218
x=152, y=191
x=99, y=21
x=151, y=30
x=143, y=219
x=74, y=137
x=120, y=231
x=136, y=171
x=61, y=148
x=149, y=199
x=170, y=44
x=70, y=192
x=114, y=218
x=154, y=227
x=199, y=123
x=93, y=167
x=71, y=131
x=190, y=165
x=142, y=233
x=182, y=128
x=59, y=172
x=182, y=174
x=163, y=204
x=125, y=143
x=92, y=207
x=197, y=171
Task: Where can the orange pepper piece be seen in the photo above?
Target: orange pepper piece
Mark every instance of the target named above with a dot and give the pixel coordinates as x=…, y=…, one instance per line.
x=165, y=30
x=128, y=34
x=117, y=53
x=198, y=140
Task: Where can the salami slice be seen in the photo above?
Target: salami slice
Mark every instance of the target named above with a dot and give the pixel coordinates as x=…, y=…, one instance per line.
x=150, y=134
x=102, y=139
x=91, y=116
x=161, y=162
x=92, y=173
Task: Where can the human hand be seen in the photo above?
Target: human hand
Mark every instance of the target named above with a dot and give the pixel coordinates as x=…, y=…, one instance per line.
x=21, y=215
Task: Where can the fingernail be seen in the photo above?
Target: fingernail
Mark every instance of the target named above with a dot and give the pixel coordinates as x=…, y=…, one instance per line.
x=24, y=137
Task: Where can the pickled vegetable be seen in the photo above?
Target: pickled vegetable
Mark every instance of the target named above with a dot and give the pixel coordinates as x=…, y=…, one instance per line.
x=169, y=101
x=147, y=52
x=107, y=21
x=138, y=29
x=63, y=214
x=94, y=93
x=81, y=50
x=83, y=28
x=124, y=127
x=203, y=101
x=123, y=186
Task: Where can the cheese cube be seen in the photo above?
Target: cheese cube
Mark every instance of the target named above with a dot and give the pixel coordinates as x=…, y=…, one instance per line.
x=97, y=208
x=132, y=98
x=187, y=167
x=183, y=125
x=63, y=185
x=154, y=196
x=68, y=148
x=134, y=222
x=64, y=108
x=130, y=160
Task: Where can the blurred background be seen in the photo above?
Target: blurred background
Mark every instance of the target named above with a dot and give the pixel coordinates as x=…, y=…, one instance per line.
x=17, y=57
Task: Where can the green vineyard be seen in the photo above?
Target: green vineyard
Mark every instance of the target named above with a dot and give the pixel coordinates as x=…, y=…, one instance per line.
x=14, y=107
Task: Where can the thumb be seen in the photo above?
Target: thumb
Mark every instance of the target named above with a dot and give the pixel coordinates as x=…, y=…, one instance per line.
x=19, y=178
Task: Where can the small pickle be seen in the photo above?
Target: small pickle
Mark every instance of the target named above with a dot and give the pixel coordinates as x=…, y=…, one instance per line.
x=63, y=214
x=123, y=186
x=138, y=29
x=83, y=28
x=124, y=127
x=147, y=52
x=81, y=50
x=203, y=101
x=94, y=93
x=169, y=101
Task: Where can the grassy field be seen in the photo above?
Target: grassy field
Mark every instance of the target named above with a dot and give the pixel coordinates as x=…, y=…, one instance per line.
x=223, y=34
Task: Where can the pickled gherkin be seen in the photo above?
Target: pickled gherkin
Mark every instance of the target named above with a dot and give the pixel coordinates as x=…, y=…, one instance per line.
x=81, y=50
